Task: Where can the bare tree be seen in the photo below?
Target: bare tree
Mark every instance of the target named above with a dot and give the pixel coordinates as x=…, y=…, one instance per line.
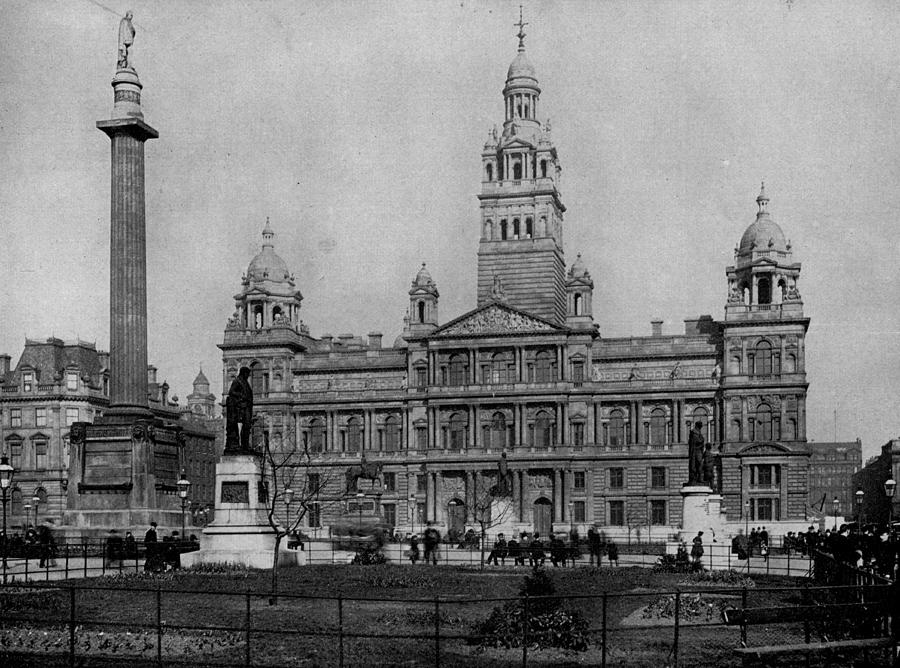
x=492, y=505
x=293, y=483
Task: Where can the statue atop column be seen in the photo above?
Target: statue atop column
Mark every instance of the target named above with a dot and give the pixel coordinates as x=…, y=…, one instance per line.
x=239, y=411
x=126, y=39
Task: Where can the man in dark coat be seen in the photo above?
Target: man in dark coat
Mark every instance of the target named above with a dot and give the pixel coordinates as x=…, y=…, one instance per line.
x=239, y=411
x=695, y=454
x=150, y=549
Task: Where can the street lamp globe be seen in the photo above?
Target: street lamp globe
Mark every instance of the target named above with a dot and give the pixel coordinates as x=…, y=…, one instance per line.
x=6, y=473
x=183, y=485
x=890, y=486
x=288, y=496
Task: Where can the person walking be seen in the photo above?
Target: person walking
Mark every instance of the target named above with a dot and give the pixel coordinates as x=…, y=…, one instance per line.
x=697, y=552
x=431, y=540
x=151, y=561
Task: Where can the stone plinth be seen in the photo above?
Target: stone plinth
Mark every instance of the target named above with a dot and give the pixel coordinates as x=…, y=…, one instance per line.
x=122, y=476
x=241, y=533
x=701, y=511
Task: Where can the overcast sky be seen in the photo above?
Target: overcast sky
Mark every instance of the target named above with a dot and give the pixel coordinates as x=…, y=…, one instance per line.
x=357, y=128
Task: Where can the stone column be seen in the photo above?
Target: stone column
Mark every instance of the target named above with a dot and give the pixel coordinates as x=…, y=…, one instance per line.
x=438, y=497
x=128, y=251
x=429, y=495
x=470, y=497
x=517, y=494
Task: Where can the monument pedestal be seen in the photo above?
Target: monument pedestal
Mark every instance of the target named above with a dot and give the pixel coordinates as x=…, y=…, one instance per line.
x=241, y=533
x=701, y=511
x=122, y=476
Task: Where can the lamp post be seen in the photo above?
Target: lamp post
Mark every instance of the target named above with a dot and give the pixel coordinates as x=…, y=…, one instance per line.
x=859, y=499
x=835, y=507
x=890, y=486
x=35, y=502
x=6, y=474
x=359, y=499
x=27, y=509
x=288, y=498
x=184, y=488
x=412, y=513
x=747, y=519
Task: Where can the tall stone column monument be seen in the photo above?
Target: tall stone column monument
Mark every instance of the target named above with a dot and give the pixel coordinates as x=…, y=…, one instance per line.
x=124, y=466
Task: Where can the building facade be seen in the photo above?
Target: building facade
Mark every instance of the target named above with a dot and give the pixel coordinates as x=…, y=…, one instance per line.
x=874, y=505
x=594, y=429
x=831, y=470
x=54, y=385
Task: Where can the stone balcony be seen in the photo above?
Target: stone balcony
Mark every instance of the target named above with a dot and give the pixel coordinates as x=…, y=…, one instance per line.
x=764, y=312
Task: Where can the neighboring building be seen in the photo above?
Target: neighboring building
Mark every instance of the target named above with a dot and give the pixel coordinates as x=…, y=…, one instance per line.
x=201, y=415
x=871, y=478
x=54, y=385
x=831, y=470
x=595, y=428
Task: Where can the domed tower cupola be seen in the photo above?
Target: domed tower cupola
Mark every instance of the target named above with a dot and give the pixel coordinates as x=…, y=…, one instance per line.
x=764, y=277
x=201, y=401
x=521, y=207
x=423, y=304
x=269, y=297
x=579, y=295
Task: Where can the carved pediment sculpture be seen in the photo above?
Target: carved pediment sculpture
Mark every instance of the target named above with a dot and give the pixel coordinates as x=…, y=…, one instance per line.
x=496, y=320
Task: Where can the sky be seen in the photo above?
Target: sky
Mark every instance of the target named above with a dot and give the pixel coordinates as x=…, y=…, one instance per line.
x=357, y=128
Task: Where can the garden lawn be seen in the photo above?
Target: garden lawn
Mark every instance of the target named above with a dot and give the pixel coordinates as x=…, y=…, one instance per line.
x=204, y=617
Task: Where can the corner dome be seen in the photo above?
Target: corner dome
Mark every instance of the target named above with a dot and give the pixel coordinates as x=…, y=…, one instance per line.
x=578, y=270
x=423, y=278
x=764, y=233
x=521, y=68
x=268, y=265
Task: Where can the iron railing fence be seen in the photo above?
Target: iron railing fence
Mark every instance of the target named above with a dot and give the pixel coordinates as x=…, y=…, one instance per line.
x=161, y=625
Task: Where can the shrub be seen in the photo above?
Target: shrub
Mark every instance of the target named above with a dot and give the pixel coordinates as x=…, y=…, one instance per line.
x=548, y=624
x=370, y=555
x=668, y=563
x=729, y=578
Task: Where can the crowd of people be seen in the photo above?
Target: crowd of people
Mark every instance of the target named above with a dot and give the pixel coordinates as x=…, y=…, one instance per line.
x=35, y=543
x=160, y=555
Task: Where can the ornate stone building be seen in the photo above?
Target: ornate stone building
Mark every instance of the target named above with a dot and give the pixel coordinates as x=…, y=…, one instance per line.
x=594, y=428
x=831, y=470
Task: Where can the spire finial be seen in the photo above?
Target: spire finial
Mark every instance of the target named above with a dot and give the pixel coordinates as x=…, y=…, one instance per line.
x=762, y=200
x=267, y=233
x=521, y=25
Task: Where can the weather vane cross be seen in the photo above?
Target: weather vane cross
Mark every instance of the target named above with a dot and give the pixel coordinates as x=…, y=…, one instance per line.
x=521, y=25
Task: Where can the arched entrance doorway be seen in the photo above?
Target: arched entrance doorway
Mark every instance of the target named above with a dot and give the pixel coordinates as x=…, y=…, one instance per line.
x=543, y=516
x=456, y=519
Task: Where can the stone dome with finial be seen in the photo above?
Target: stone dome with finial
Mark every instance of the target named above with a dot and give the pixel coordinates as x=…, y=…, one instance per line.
x=268, y=265
x=578, y=270
x=521, y=67
x=764, y=233
x=423, y=278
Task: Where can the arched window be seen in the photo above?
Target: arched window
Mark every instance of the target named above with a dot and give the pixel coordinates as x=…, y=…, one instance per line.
x=459, y=369
x=762, y=425
x=616, y=427
x=764, y=291
x=489, y=170
x=745, y=292
x=488, y=229
x=458, y=424
x=256, y=379
x=258, y=316
x=544, y=367
x=544, y=430
x=391, y=434
x=497, y=431
x=517, y=171
x=420, y=308
x=736, y=430
x=317, y=435
x=658, y=430
x=503, y=229
x=578, y=304
x=276, y=312
x=354, y=434
x=17, y=505
x=516, y=228
x=790, y=429
x=542, y=227
x=762, y=359
x=701, y=415
x=781, y=291
x=790, y=363
x=543, y=169
x=529, y=228
x=527, y=115
x=503, y=367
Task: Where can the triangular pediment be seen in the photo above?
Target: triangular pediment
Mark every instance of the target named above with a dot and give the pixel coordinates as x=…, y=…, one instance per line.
x=517, y=142
x=495, y=318
x=764, y=449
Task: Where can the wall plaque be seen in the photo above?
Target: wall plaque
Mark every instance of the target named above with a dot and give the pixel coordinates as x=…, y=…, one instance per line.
x=235, y=492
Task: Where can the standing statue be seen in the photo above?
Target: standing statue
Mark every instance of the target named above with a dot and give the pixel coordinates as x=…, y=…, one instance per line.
x=126, y=39
x=503, y=488
x=695, y=455
x=239, y=411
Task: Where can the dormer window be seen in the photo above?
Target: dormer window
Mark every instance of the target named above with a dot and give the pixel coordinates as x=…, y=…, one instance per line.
x=27, y=381
x=72, y=381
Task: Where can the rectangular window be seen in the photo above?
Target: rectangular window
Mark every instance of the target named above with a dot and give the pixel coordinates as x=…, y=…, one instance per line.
x=578, y=433
x=15, y=417
x=27, y=381
x=578, y=514
x=658, y=513
x=658, y=477
x=616, y=478
x=40, y=454
x=421, y=438
x=315, y=515
x=72, y=381
x=421, y=484
x=15, y=452
x=71, y=416
x=313, y=484
x=390, y=513
x=421, y=377
x=764, y=510
x=578, y=479
x=390, y=482
x=40, y=417
x=765, y=475
x=578, y=372
x=617, y=513
x=420, y=515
